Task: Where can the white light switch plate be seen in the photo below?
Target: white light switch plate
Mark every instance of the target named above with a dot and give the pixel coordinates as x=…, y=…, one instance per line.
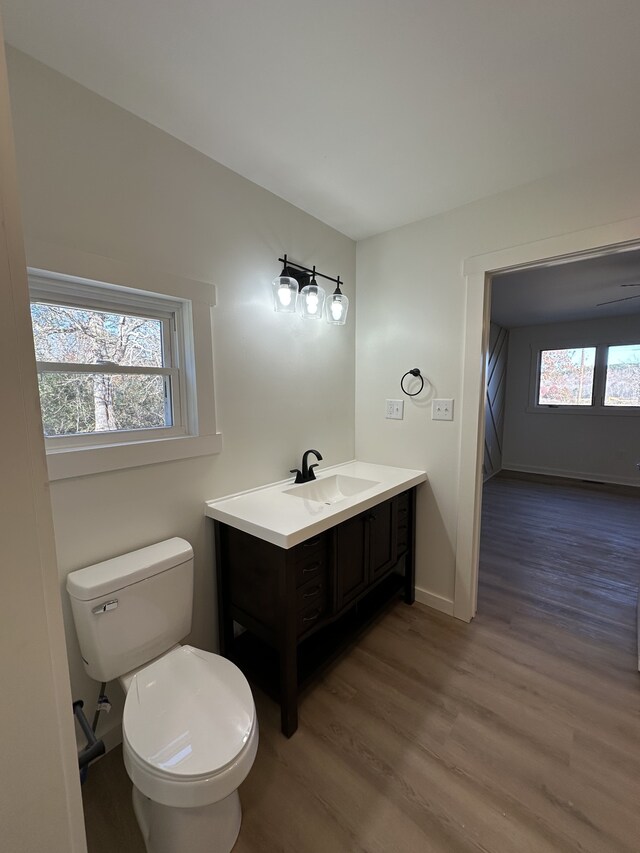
x=442, y=410
x=394, y=409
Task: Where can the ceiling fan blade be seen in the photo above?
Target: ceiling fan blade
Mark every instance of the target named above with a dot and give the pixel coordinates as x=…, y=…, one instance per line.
x=624, y=299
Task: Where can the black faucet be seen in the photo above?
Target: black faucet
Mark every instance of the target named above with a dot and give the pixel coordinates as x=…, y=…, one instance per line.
x=307, y=474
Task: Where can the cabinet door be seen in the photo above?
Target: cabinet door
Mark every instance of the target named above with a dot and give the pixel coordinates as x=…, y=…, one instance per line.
x=382, y=539
x=352, y=575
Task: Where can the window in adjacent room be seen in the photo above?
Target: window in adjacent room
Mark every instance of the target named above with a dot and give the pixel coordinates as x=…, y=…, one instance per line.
x=566, y=377
x=622, y=386
x=602, y=379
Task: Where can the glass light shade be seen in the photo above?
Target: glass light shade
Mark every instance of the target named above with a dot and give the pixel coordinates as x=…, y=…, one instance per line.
x=336, y=308
x=311, y=302
x=285, y=292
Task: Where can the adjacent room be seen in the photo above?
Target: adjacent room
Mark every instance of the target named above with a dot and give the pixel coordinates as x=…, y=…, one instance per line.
x=320, y=331
x=559, y=546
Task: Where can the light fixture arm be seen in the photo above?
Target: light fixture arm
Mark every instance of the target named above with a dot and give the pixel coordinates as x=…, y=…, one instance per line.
x=309, y=271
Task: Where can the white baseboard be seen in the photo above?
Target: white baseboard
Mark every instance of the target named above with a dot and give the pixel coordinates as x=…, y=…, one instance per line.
x=573, y=475
x=432, y=599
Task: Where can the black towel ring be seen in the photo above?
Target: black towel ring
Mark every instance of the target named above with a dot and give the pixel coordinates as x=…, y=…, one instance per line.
x=414, y=372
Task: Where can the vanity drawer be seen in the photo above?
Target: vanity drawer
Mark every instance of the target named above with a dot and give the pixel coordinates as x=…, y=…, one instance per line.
x=403, y=508
x=314, y=592
x=403, y=539
x=311, y=567
x=310, y=616
x=311, y=560
x=315, y=569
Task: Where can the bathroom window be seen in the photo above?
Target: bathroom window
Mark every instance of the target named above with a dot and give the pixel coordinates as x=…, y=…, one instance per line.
x=103, y=371
x=116, y=373
x=108, y=365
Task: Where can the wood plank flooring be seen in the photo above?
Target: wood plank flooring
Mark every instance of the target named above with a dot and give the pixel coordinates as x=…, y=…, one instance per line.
x=519, y=732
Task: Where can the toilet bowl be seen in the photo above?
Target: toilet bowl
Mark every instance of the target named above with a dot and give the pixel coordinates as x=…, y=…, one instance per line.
x=190, y=731
x=190, y=737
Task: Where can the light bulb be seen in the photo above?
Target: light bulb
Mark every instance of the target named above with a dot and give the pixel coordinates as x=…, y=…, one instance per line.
x=285, y=290
x=336, y=309
x=311, y=301
x=284, y=295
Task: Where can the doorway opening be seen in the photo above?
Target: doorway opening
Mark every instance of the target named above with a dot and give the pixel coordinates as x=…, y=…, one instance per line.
x=561, y=477
x=619, y=237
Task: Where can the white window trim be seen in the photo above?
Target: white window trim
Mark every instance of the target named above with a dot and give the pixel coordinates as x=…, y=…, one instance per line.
x=597, y=407
x=67, y=272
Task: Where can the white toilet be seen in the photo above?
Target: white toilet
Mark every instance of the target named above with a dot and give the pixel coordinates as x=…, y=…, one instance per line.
x=190, y=731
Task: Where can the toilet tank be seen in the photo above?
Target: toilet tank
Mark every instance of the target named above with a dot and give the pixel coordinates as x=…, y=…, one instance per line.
x=130, y=609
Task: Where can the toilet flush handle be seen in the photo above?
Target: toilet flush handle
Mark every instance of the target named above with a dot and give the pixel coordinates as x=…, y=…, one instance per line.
x=106, y=605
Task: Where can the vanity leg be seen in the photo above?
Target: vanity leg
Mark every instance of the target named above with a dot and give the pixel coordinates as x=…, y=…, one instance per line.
x=289, y=690
x=410, y=559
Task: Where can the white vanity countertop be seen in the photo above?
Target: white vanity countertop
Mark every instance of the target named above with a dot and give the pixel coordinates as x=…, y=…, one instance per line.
x=286, y=520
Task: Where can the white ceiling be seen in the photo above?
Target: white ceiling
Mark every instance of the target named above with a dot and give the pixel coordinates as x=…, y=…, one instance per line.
x=568, y=291
x=367, y=114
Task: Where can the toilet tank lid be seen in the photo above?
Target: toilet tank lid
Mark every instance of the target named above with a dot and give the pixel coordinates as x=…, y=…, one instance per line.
x=100, y=579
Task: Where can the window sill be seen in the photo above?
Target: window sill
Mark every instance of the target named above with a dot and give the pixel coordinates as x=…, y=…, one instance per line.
x=598, y=411
x=83, y=461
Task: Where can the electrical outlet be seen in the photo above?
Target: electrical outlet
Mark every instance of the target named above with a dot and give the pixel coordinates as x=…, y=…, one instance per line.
x=394, y=409
x=442, y=410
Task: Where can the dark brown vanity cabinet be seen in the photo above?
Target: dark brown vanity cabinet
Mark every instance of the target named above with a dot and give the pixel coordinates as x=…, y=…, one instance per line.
x=301, y=606
x=366, y=548
x=351, y=555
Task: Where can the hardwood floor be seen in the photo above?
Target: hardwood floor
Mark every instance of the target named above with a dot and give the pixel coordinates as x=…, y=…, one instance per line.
x=519, y=732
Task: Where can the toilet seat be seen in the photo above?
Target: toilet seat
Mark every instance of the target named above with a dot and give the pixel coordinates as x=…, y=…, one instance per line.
x=190, y=732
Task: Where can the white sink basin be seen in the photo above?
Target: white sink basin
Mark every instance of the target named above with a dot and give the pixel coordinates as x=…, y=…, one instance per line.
x=339, y=493
x=331, y=490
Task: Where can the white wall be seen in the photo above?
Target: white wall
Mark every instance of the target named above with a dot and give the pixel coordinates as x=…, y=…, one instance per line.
x=40, y=805
x=97, y=179
x=411, y=312
x=589, y=446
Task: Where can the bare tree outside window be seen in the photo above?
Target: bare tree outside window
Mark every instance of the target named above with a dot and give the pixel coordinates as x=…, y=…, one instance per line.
x=77, y=399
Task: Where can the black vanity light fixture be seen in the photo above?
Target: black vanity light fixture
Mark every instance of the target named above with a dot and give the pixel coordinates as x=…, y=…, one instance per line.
x=297, y=289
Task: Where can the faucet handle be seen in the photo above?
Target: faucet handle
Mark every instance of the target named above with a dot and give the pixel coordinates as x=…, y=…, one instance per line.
x=298, y=474
x=311, y=475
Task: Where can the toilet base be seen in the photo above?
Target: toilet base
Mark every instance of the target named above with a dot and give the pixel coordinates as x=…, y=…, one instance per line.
x=203, y=829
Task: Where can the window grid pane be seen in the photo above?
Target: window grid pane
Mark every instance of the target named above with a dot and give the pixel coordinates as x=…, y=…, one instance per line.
x=84, y=403
x=75, y=335
x=566, y=377
x=623, y=376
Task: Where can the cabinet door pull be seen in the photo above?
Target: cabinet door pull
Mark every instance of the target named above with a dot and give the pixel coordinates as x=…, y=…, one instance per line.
x=310, y=544
x=312, y=618
x=312, y=568
x=312, y=593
